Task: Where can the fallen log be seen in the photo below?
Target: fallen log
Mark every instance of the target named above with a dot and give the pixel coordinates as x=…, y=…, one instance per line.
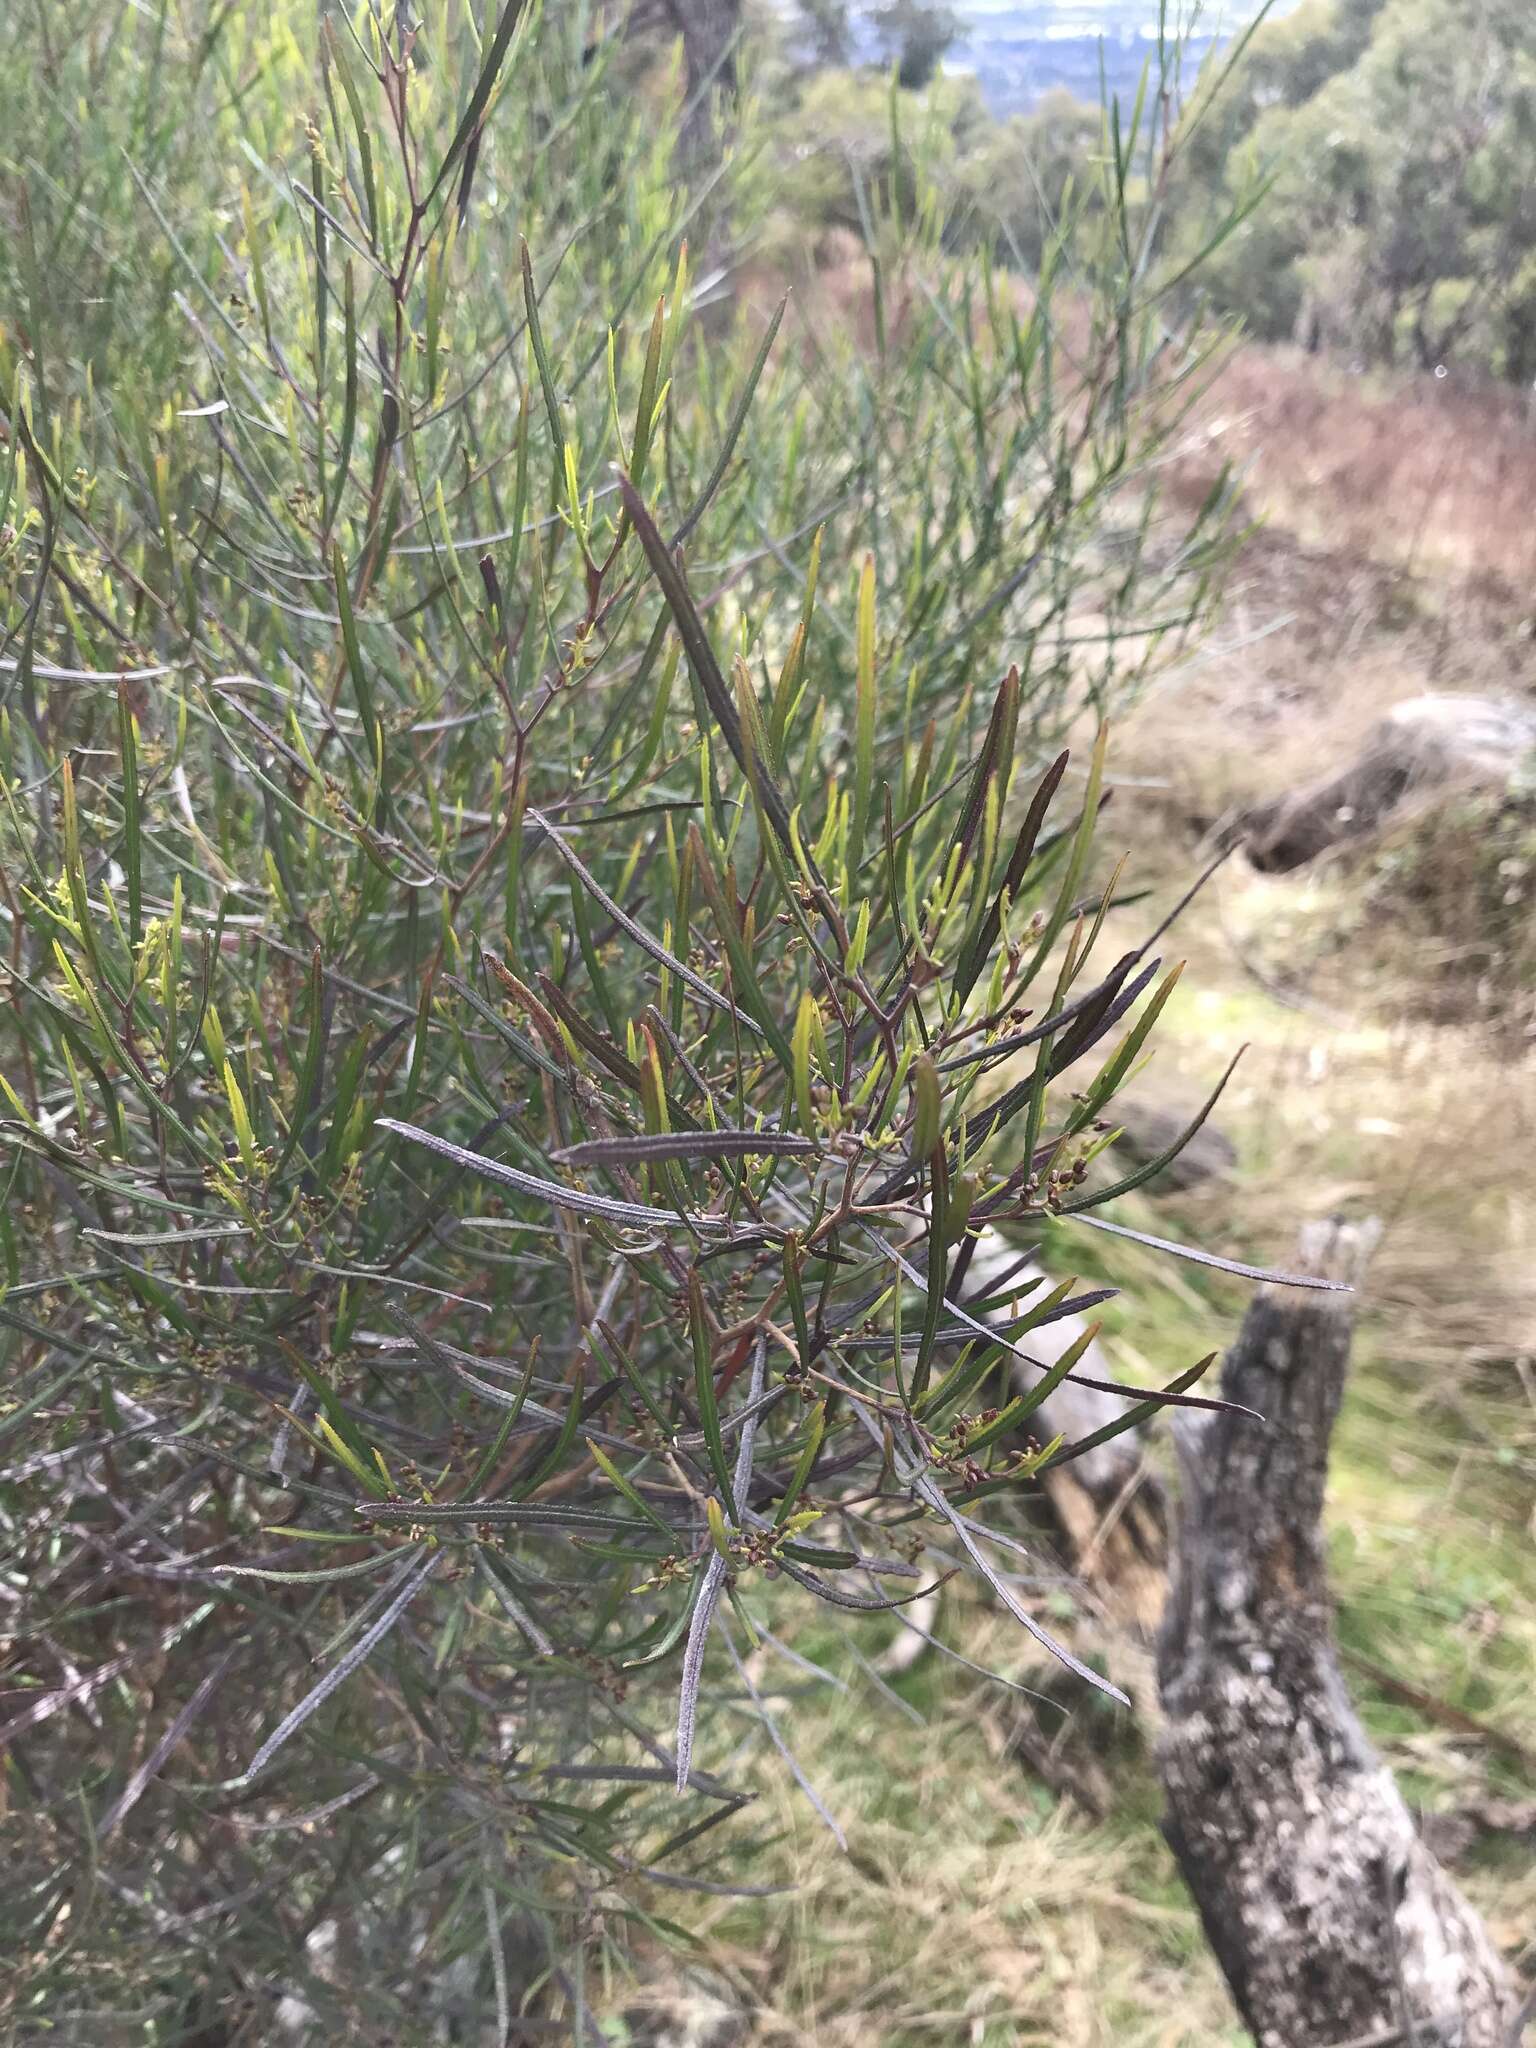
x=1148, y=1130
x=1421, y=750
x=1329, y=1916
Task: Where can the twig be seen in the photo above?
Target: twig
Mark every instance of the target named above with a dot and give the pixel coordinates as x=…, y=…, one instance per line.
x=1441, y=1710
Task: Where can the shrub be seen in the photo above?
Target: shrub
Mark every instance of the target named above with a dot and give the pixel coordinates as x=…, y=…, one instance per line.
x=524, y=844
x=1454, y=883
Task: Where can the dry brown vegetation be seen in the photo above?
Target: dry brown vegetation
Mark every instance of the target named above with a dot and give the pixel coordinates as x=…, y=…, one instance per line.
x=1422, y=473
x=1392, y=558
x=1375, y=1075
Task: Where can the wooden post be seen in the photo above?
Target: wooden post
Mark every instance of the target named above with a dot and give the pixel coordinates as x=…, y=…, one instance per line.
x=1331, y=1920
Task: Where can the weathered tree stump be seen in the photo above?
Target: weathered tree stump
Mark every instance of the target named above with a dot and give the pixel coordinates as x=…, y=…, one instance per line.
x=1330, y=1918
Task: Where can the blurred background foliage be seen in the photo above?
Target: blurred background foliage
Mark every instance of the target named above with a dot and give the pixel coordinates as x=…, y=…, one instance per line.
x=1399, y=138
x=1394, y=140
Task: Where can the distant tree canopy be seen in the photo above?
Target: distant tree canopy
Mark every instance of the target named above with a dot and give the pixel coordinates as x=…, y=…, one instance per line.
x=915, y=36
x=1008, y=183
x=1021, y=171
x=1400, y=136
x=840, y=136
x=1393, y=142
x=826, y=31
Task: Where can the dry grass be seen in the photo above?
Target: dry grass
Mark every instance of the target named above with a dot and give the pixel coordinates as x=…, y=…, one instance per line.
x=969, y=1906
x=1432, y=1128
x=1394, y=561
x=1436, y=476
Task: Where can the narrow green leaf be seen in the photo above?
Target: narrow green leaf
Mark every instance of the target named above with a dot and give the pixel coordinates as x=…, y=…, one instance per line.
x=1133, y=1418
x=133, y=849
x=1096, y=1198
x=706, y=668
x=480, y=97
x=541, y=360
x=738, y=420
x=804, y=1464
x=864, y=717
x=704, y=1389
x=631, y=1493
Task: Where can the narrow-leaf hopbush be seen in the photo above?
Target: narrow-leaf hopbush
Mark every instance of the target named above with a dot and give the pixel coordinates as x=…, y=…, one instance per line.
x=531, y=818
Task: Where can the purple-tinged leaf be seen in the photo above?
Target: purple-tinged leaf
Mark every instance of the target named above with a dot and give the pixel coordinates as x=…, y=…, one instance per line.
x=340, y=1672
x=1269, y=1274
x=577, y=1200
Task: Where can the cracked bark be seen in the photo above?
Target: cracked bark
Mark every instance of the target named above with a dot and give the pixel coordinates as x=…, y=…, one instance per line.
x=1330, y=1918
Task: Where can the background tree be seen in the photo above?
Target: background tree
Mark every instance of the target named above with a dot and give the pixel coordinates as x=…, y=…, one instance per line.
x=1020, y=174
x=1400, y=138
x=826, y=31
x=710, y=34
x=915, y=35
